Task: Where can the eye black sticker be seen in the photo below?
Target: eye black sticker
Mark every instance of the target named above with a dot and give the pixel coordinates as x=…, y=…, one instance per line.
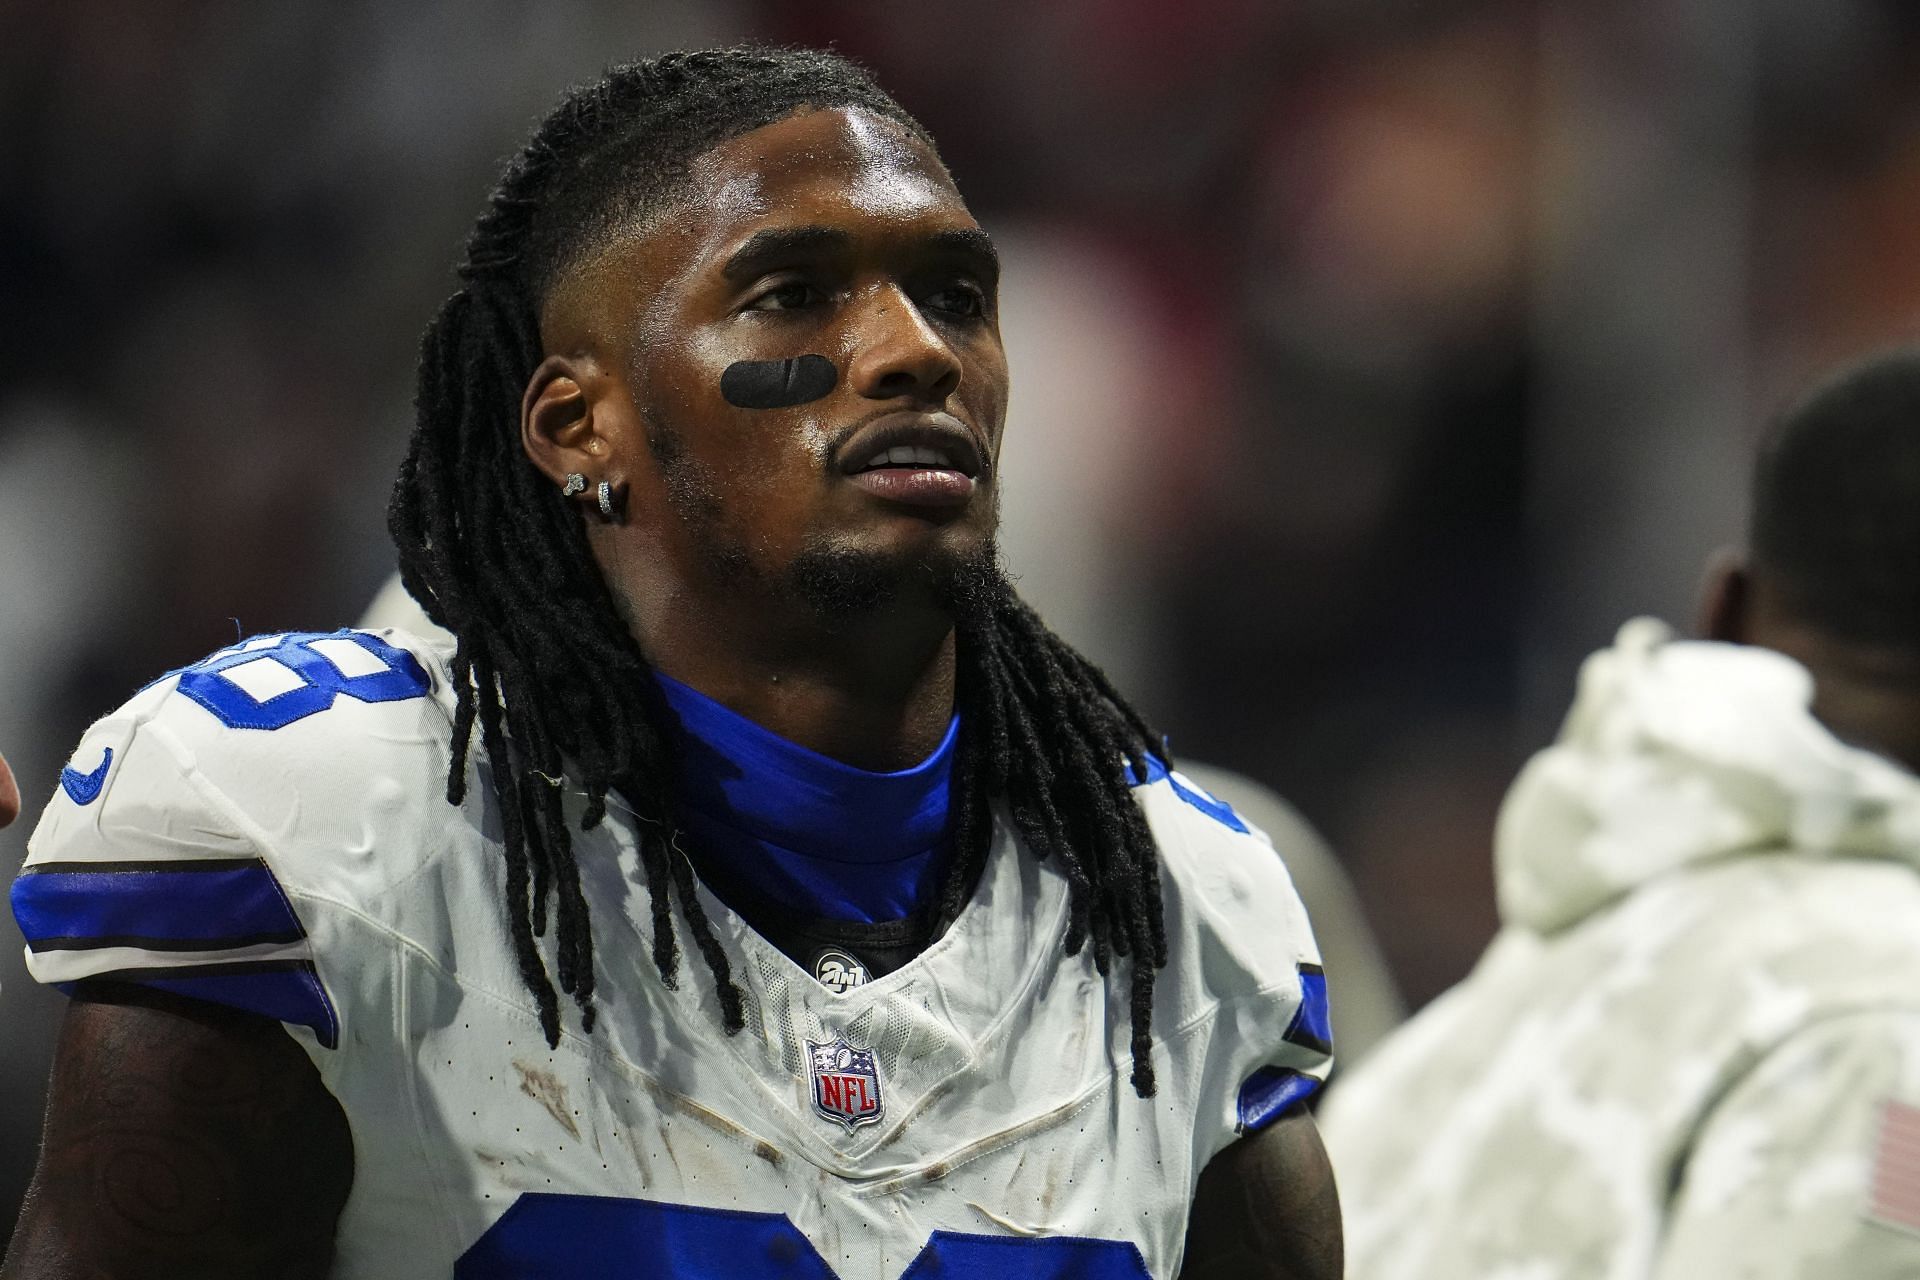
x=777, y=384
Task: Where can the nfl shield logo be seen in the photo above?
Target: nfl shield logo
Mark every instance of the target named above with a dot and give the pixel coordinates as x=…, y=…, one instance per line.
x=846, y=1082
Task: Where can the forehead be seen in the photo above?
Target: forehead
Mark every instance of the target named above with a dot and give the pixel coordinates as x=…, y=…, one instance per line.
x=845, y=169
x=845, y=162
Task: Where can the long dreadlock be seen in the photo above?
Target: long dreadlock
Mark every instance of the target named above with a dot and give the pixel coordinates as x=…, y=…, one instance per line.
x=496, y=555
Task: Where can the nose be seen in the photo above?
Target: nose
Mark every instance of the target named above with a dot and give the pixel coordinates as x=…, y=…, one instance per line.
x=897, y=352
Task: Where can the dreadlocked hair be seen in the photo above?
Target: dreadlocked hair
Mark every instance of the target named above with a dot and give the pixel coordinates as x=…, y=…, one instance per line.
x=546, y=670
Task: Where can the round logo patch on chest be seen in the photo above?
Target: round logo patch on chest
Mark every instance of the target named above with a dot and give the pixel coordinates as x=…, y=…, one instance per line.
x=838, y=970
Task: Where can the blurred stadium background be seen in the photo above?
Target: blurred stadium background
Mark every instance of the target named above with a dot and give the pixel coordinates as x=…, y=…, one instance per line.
x=1372, y=360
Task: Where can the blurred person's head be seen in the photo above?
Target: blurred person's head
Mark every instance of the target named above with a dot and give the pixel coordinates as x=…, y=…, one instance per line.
x=721, y=394
x=1832, y=573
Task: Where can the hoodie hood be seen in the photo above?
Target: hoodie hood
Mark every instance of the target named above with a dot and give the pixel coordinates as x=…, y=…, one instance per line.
x=1679, y=752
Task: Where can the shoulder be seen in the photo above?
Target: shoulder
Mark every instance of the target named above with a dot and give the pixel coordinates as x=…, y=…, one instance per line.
x=1239, y=945
x=1225, y=872
x=295, y=691
x=1692, y=978
x=197, y=825
x=284, y=747
x=1830, y=935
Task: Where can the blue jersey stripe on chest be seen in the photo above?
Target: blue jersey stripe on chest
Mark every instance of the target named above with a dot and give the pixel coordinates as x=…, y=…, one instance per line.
x=609, y=1238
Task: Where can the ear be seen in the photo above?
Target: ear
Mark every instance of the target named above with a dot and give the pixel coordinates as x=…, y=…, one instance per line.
x=559, y=426
x=1726, y=598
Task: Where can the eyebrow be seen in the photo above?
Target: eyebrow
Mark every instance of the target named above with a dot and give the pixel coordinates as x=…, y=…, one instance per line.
x=780, y=246
x=972, y=245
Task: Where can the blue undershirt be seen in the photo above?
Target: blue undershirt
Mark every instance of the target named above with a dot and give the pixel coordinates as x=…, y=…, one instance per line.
x=802, y=830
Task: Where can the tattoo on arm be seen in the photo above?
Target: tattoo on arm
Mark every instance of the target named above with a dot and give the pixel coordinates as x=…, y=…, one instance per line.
x=1266, y=1209
x=181, y=1139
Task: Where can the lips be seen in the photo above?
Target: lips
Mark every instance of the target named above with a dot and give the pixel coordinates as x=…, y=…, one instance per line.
x=912, y=440
x=921, y=459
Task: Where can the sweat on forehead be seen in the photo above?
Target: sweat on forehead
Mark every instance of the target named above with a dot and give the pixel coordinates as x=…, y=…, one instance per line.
x=617, y=151
x=849, y=146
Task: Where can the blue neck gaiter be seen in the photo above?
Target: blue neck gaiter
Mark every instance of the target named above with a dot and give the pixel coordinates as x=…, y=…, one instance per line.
x=796, y=828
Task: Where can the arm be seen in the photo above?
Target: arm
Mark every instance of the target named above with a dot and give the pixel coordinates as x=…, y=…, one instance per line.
x=1266, y=1209
x=9, y=794
x=1778, y=1182
x=181, y=1139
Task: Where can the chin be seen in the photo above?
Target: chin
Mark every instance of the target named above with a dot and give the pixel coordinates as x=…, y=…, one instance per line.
x=959, y=575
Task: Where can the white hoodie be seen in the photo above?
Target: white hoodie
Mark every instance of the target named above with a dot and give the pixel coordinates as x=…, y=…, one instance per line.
x=1692, y=1048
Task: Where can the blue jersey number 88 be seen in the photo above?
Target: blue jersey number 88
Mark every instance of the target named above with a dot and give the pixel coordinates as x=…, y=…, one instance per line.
x=301, y=675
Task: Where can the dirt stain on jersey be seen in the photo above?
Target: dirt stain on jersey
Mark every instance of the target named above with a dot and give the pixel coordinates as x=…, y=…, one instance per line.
x=666, y=1099
x=1009, y=1225
x=545, y=1088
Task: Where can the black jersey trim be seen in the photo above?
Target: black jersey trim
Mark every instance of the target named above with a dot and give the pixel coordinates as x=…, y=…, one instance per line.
x=143, y=942
x=225, y=969
x=136, y=867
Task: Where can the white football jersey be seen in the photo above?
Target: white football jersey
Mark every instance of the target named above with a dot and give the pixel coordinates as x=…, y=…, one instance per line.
x=269, y=828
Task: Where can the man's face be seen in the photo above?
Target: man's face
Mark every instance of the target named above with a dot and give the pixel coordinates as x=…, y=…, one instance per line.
x=834, y=234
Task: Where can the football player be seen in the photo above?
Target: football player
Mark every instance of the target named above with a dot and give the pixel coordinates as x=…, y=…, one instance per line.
x=754, y=887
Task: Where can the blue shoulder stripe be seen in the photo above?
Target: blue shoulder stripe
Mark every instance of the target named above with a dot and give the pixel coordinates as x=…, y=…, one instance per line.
x=1219, y=810
x=1312, y=1025
x=284, y=990
x=199, y=905
x=1270, y=1093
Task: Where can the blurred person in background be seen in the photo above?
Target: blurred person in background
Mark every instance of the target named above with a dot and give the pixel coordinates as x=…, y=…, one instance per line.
x=1694, y=1047
x=979, y=982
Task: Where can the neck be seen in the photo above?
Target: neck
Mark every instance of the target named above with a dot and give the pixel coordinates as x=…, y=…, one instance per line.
x=1865, y=694
x=1867, y=713
x=875, y=692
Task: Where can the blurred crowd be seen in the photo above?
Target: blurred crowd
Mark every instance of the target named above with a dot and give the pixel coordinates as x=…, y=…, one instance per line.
x=1372, y=360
